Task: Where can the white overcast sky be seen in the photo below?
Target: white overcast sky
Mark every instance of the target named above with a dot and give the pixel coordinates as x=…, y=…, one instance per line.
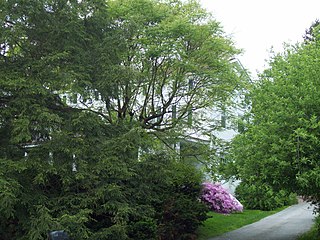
x=258, y=25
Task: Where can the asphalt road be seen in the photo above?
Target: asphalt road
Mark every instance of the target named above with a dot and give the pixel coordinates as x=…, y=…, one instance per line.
x=285, y=225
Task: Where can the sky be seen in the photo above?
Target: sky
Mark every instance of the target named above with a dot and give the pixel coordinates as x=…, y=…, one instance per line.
x=256, y=26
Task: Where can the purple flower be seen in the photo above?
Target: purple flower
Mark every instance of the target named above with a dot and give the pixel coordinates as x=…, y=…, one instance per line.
x=219, y=200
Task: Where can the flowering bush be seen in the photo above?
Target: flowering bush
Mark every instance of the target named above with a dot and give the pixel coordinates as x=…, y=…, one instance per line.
x=219, y=200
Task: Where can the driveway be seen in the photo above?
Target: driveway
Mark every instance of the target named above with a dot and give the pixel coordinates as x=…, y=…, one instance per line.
x=285, y=225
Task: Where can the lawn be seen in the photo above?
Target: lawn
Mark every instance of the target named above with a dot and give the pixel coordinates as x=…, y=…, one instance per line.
x=311, y=235
x=219, y=223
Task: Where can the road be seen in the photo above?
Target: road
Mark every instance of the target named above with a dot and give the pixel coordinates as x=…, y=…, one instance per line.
x=285, y=225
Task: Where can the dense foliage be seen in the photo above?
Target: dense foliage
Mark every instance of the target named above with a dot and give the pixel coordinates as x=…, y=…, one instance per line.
x=110, y=195
x=85, y=86
x=260, y=195
x=279, y=149
x=173, y=190
x=219, y=199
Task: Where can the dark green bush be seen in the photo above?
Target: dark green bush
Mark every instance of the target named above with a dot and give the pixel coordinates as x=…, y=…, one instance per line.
x=111, y=195
x=143, y=230
x=171, y=189
x=262, y=196
x=317, y=223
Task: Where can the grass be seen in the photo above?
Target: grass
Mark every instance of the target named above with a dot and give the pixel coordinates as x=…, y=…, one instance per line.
x=219, y=223
x=311, y=235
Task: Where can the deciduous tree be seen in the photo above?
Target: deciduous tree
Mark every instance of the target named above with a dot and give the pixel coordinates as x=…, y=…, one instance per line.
x=280, y=146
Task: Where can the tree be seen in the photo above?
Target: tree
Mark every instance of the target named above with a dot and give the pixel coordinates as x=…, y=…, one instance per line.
x=75, y=166
x=168, y=56
x=280, y=146
x=150, y=64
x=312, y=32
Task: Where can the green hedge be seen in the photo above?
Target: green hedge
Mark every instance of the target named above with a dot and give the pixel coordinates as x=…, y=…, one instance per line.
x=262, y=196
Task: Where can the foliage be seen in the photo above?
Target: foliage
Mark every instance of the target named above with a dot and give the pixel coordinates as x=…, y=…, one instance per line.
x=172, y=188
x=318, y=225
x=109, y=196
x=280, y=147
x=80, y=83
x=171, y=54
x=312, y=33
x=314, y=233
x=219, y=200
x=261, y=196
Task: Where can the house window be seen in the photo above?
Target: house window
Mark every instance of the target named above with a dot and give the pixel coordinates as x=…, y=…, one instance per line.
x=96, y=96
x=158, y=112
x=223, y=118
x=174, y=112
x=240, y=124
x=190, y=116
x=74, y=98
x=191, y=86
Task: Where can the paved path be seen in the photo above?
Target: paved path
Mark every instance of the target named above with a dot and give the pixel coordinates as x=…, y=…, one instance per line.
x=284, y=225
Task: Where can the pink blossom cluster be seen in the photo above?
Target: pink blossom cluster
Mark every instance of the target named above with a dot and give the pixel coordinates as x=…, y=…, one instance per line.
x=219, y=200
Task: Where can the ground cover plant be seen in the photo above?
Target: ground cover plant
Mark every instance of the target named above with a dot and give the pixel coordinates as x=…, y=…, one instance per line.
x=218, y=224
x=314, y=233
x=310, y=235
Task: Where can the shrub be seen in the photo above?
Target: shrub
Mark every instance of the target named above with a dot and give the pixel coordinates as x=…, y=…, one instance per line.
x=262, y=196
x=317, y=225
x=219, y=200
x=143, y=229
x=171, y=191
x=112, y=195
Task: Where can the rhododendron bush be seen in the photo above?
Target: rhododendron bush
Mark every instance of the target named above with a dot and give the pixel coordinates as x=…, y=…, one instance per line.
x=219, y=199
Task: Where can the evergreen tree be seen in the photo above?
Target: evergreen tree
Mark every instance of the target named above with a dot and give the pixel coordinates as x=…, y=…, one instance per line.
x=73, y=163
